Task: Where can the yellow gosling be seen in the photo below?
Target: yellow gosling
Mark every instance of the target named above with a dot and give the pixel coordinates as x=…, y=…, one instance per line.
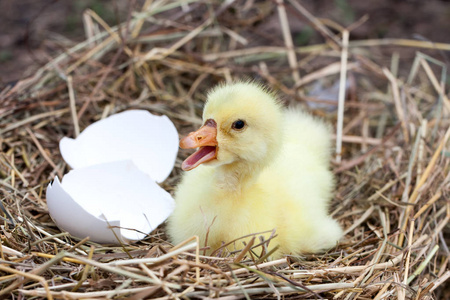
x=258, y=167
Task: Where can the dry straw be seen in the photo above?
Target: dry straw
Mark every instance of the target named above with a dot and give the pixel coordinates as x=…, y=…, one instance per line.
x=392, y=193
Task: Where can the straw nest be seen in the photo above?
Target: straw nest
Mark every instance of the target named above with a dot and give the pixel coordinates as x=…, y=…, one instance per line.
x=392, y=169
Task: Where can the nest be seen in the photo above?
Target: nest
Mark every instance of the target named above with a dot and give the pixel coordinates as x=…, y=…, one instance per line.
x=392, y=167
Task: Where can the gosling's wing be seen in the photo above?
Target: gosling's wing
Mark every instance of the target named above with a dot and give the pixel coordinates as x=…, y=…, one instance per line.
x=302, y=168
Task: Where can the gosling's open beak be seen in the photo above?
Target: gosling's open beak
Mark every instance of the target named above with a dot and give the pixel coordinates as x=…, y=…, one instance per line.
x=205, y=140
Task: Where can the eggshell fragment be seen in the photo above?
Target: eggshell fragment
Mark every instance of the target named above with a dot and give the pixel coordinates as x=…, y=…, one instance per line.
x=150, y=141
x=91, y=200
x=111, y=195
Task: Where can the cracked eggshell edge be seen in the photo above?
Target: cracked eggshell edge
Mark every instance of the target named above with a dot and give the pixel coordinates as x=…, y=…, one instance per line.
x=150, y=141
x=71, y=217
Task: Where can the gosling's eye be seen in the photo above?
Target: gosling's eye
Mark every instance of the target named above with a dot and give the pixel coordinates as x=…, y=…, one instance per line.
x=238, y=125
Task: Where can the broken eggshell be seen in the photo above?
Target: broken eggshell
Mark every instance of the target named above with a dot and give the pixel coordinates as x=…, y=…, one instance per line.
x=111, y=194
x=150, y=141
x=97, y=200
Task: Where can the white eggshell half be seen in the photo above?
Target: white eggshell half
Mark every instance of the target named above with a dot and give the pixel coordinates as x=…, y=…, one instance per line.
x=150, y=141
x=90, y=200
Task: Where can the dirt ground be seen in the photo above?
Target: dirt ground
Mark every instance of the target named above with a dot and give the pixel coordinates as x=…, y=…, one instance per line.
x=33, y=30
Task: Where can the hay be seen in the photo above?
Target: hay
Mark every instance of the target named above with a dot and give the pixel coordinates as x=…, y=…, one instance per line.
x=393, y=180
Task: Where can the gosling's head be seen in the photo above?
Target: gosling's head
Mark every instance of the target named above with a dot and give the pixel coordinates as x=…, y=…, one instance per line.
x=242, y=124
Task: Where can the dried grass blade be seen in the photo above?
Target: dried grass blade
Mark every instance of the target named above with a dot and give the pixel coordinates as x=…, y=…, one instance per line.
x=423, y=179
x=422, y=265
x=32, y=275
x=428, y=204
x=342, y=93
x=153, y=260
x=245, y=250
x=315, y=21
x=33, y=118
x=27, y=276
x=292, y=59
x=73, y=109
x=43, y=152
x=397, y=102
x=438, y=87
